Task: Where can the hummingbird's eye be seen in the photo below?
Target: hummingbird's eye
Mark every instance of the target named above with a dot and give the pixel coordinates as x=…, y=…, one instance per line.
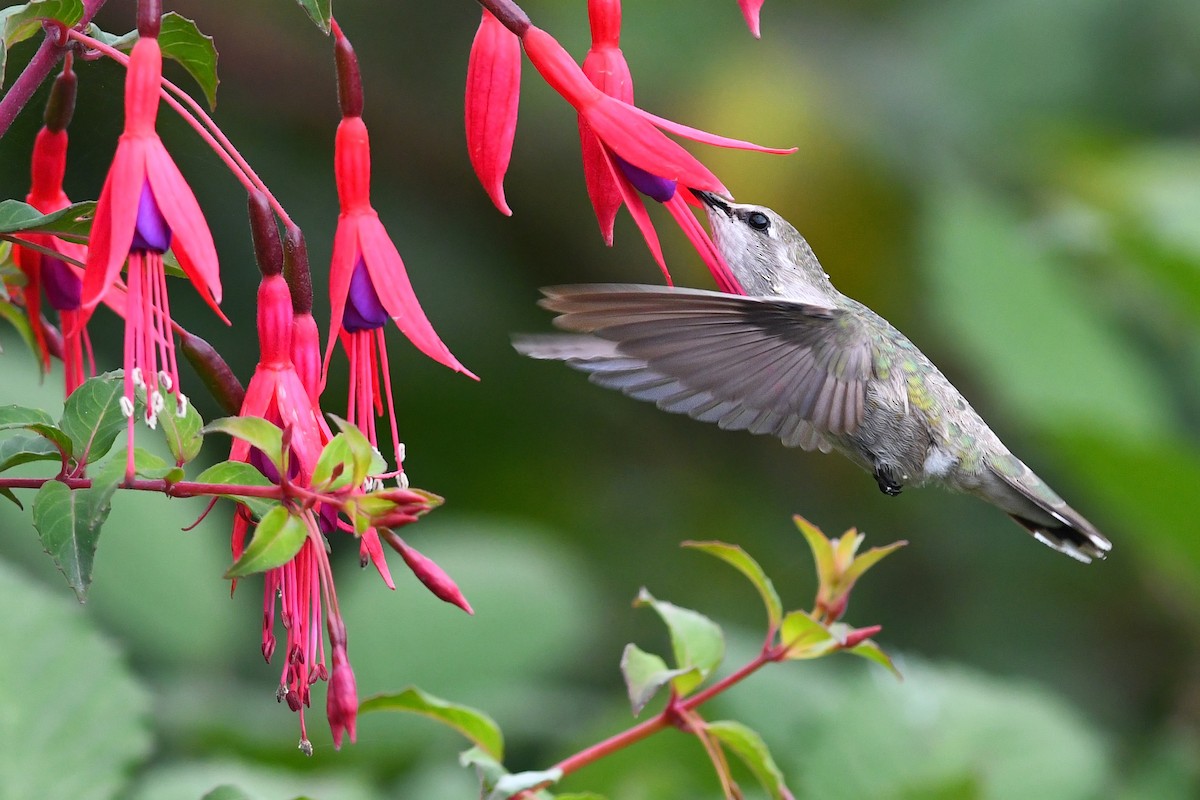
x=758, y=220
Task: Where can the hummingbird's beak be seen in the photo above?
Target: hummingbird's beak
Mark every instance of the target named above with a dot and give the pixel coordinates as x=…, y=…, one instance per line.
x=713, y=201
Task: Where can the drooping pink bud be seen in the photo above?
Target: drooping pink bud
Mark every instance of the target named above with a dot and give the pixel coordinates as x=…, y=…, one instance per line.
x=429, y=573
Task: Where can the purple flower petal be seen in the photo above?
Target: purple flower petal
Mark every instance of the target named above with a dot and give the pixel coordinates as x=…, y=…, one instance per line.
x=363, y=311
x=649, y=184
x=63, y=287
x=152, y=232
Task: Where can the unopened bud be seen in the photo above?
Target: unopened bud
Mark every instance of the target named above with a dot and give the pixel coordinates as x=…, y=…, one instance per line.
x=149, y=18
x=429, y=573
x=350, y=93
x=296, y=270
x=268, y=250
x=214, y=372
x=61, y=105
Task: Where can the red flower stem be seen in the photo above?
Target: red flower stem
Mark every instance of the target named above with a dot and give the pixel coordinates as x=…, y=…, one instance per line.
x=511, y=15
x=667, y=718
x=163, y=486
x=48, y=54
x=203, y=124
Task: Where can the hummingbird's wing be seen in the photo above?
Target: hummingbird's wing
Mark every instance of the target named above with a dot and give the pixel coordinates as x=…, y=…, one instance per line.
x=769, y=365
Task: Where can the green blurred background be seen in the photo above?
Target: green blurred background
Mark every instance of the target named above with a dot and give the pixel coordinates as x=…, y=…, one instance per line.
x=1015, y=184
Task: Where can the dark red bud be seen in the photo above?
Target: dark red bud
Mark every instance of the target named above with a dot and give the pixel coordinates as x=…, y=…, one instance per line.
x=218, y=378
x=509, y=13
x=149, y=18
x=350, y=93
x=268, y=250
x=61, y=105
x=268, y=648
x=295, y=269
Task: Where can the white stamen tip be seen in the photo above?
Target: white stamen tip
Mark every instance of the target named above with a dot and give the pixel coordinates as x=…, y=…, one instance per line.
x=402, y=480
x=181, y=406
x=401, y=450
x=136, y=375
x=151, y=419
x=164, y=378
x=156, y=401
x=126, y=405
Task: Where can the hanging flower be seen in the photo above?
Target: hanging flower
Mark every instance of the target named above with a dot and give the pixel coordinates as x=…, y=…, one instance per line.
x=57, y=277
x=493, y=89
x=145, y=208
x=368, y=284
x=625, y=149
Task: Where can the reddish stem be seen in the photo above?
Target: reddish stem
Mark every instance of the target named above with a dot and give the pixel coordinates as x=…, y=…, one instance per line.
x=667, y=718
x=48, y=54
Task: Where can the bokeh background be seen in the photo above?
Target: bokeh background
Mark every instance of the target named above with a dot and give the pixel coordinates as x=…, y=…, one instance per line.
x=1015, y=184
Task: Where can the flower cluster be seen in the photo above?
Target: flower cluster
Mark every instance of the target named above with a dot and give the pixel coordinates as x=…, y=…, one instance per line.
x=626, y=152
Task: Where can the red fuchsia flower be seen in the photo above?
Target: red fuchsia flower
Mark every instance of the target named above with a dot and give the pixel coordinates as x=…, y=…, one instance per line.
x=613, y=177
x=368, y=284
x=630, y=150
x=750, y=10
x=306, y=358
x=304, y=585
x=493, y=89
x=59, y=278
x=145, y=208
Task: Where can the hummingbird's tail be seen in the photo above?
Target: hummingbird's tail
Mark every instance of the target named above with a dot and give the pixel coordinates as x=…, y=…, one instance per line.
x=1028, y=500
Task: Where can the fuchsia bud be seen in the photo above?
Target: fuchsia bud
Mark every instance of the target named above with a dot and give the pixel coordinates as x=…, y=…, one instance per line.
x=429, y=573
x=341, y=699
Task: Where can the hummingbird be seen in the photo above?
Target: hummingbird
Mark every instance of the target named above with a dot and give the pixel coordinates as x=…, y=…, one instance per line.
x=796, y=359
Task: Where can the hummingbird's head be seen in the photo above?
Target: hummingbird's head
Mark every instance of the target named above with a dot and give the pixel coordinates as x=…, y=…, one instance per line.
x=767, y=255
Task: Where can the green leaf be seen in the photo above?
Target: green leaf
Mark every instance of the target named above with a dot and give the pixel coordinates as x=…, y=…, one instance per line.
x=183, y=435
x=239, y=473
x=21, y=448
x=68, y=524
x=866, y=560
x=747, y=745
x=645, y=673
x=264, y=435
x=92, y=416
x=696, y=640
x=9, y=494
x=277, y=537
x=741, y=560
x=872, y=652
x=18, y=319
x=226, y=792
x=73, y=222
x=822, y=549
x=372, y=461
x=804, y=637
x=16, y=416
x=147, y=465
x=48, y=431
x=76, y=700
x=337, y=468
x=183, y=42
x=477, y=726
x=318, y=11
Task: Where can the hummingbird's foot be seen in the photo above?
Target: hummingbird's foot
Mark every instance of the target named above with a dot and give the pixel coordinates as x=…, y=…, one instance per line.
x=887, y=484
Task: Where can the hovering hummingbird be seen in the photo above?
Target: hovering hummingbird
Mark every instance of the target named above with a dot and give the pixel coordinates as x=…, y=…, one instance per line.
x=797, y=359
